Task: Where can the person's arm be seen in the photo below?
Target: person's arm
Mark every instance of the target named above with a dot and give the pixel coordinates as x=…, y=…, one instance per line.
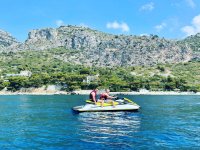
x=110, y=97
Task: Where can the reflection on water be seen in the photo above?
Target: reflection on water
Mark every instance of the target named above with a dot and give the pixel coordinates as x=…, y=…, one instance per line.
x=100, y=127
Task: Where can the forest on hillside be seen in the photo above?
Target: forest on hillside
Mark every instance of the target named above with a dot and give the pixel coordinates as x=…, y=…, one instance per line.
x=48, y=69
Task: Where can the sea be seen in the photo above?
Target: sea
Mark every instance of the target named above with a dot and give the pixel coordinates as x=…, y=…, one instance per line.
x=48, y=122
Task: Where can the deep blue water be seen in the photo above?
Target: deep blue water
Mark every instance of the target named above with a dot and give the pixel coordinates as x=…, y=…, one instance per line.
x=47, y=122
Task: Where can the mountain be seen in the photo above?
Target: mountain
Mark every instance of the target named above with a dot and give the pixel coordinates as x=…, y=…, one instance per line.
x=7, y=40
x=193, y=42
x=90, y=47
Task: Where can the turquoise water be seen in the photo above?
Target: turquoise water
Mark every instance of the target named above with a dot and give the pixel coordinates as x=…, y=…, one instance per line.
x=47, y=122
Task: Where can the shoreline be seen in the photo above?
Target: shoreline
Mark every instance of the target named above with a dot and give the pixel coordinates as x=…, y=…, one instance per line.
x=87, y=92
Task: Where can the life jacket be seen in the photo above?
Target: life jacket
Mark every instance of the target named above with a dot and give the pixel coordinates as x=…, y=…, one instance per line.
x=103, y=96
x=91, y=94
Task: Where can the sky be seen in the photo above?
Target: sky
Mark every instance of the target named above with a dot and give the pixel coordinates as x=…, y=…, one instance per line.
x=172, y=19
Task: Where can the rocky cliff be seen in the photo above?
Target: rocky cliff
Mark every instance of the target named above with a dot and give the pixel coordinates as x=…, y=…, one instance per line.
x=193, y=42
x=7, y=40
x=91, y=47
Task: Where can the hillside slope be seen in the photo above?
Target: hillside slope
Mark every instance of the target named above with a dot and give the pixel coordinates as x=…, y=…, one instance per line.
x=94, y=48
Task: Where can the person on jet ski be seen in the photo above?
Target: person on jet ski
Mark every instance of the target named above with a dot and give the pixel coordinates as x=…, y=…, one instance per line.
x=93, y=95
x=106, y=97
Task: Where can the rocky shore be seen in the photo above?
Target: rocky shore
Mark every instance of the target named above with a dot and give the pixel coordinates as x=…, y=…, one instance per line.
x=86, y=92
x=83, y=92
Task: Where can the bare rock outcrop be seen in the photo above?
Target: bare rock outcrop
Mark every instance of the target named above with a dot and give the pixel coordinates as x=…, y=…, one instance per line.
x=7, y=40
x=90, y=47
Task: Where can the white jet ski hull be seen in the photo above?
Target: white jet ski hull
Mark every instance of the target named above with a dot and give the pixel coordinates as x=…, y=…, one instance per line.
x=95, y=108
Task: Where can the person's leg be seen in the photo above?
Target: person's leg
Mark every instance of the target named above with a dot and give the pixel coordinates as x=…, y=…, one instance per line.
x=113, y=103
x=102, y=103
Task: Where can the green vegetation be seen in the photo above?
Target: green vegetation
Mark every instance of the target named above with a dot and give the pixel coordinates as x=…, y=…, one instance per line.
x=47, y=69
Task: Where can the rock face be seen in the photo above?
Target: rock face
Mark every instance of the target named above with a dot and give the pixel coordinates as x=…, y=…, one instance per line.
x=97, y=48
x=91, y=47
x=6, y=40
x=193, y=42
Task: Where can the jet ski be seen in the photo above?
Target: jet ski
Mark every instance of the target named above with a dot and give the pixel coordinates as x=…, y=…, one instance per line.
x=121, y=104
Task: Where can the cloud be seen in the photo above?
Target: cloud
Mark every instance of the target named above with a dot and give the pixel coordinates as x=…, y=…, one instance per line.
x=59, y=23
x=188, y=30
x=191, y=3
x=194, y=28
x=160, y=26
x=116, y=25
x=147, y=7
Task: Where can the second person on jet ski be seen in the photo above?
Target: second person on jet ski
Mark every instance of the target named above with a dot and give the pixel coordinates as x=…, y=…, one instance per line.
x=105, y=97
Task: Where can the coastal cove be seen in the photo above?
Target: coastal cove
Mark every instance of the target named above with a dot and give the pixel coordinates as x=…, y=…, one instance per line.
x=163, y=122
x=100, y=75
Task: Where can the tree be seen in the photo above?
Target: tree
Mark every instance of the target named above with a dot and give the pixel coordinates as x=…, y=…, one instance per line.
x=85, y=71
x=193, y=89
x=169, y=86
x=16, y=83
x=1, y=85
x=161, y=68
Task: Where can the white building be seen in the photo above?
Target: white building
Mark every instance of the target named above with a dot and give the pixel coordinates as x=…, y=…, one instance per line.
x=144, y=91
x=91, y=78
x=24, y=73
